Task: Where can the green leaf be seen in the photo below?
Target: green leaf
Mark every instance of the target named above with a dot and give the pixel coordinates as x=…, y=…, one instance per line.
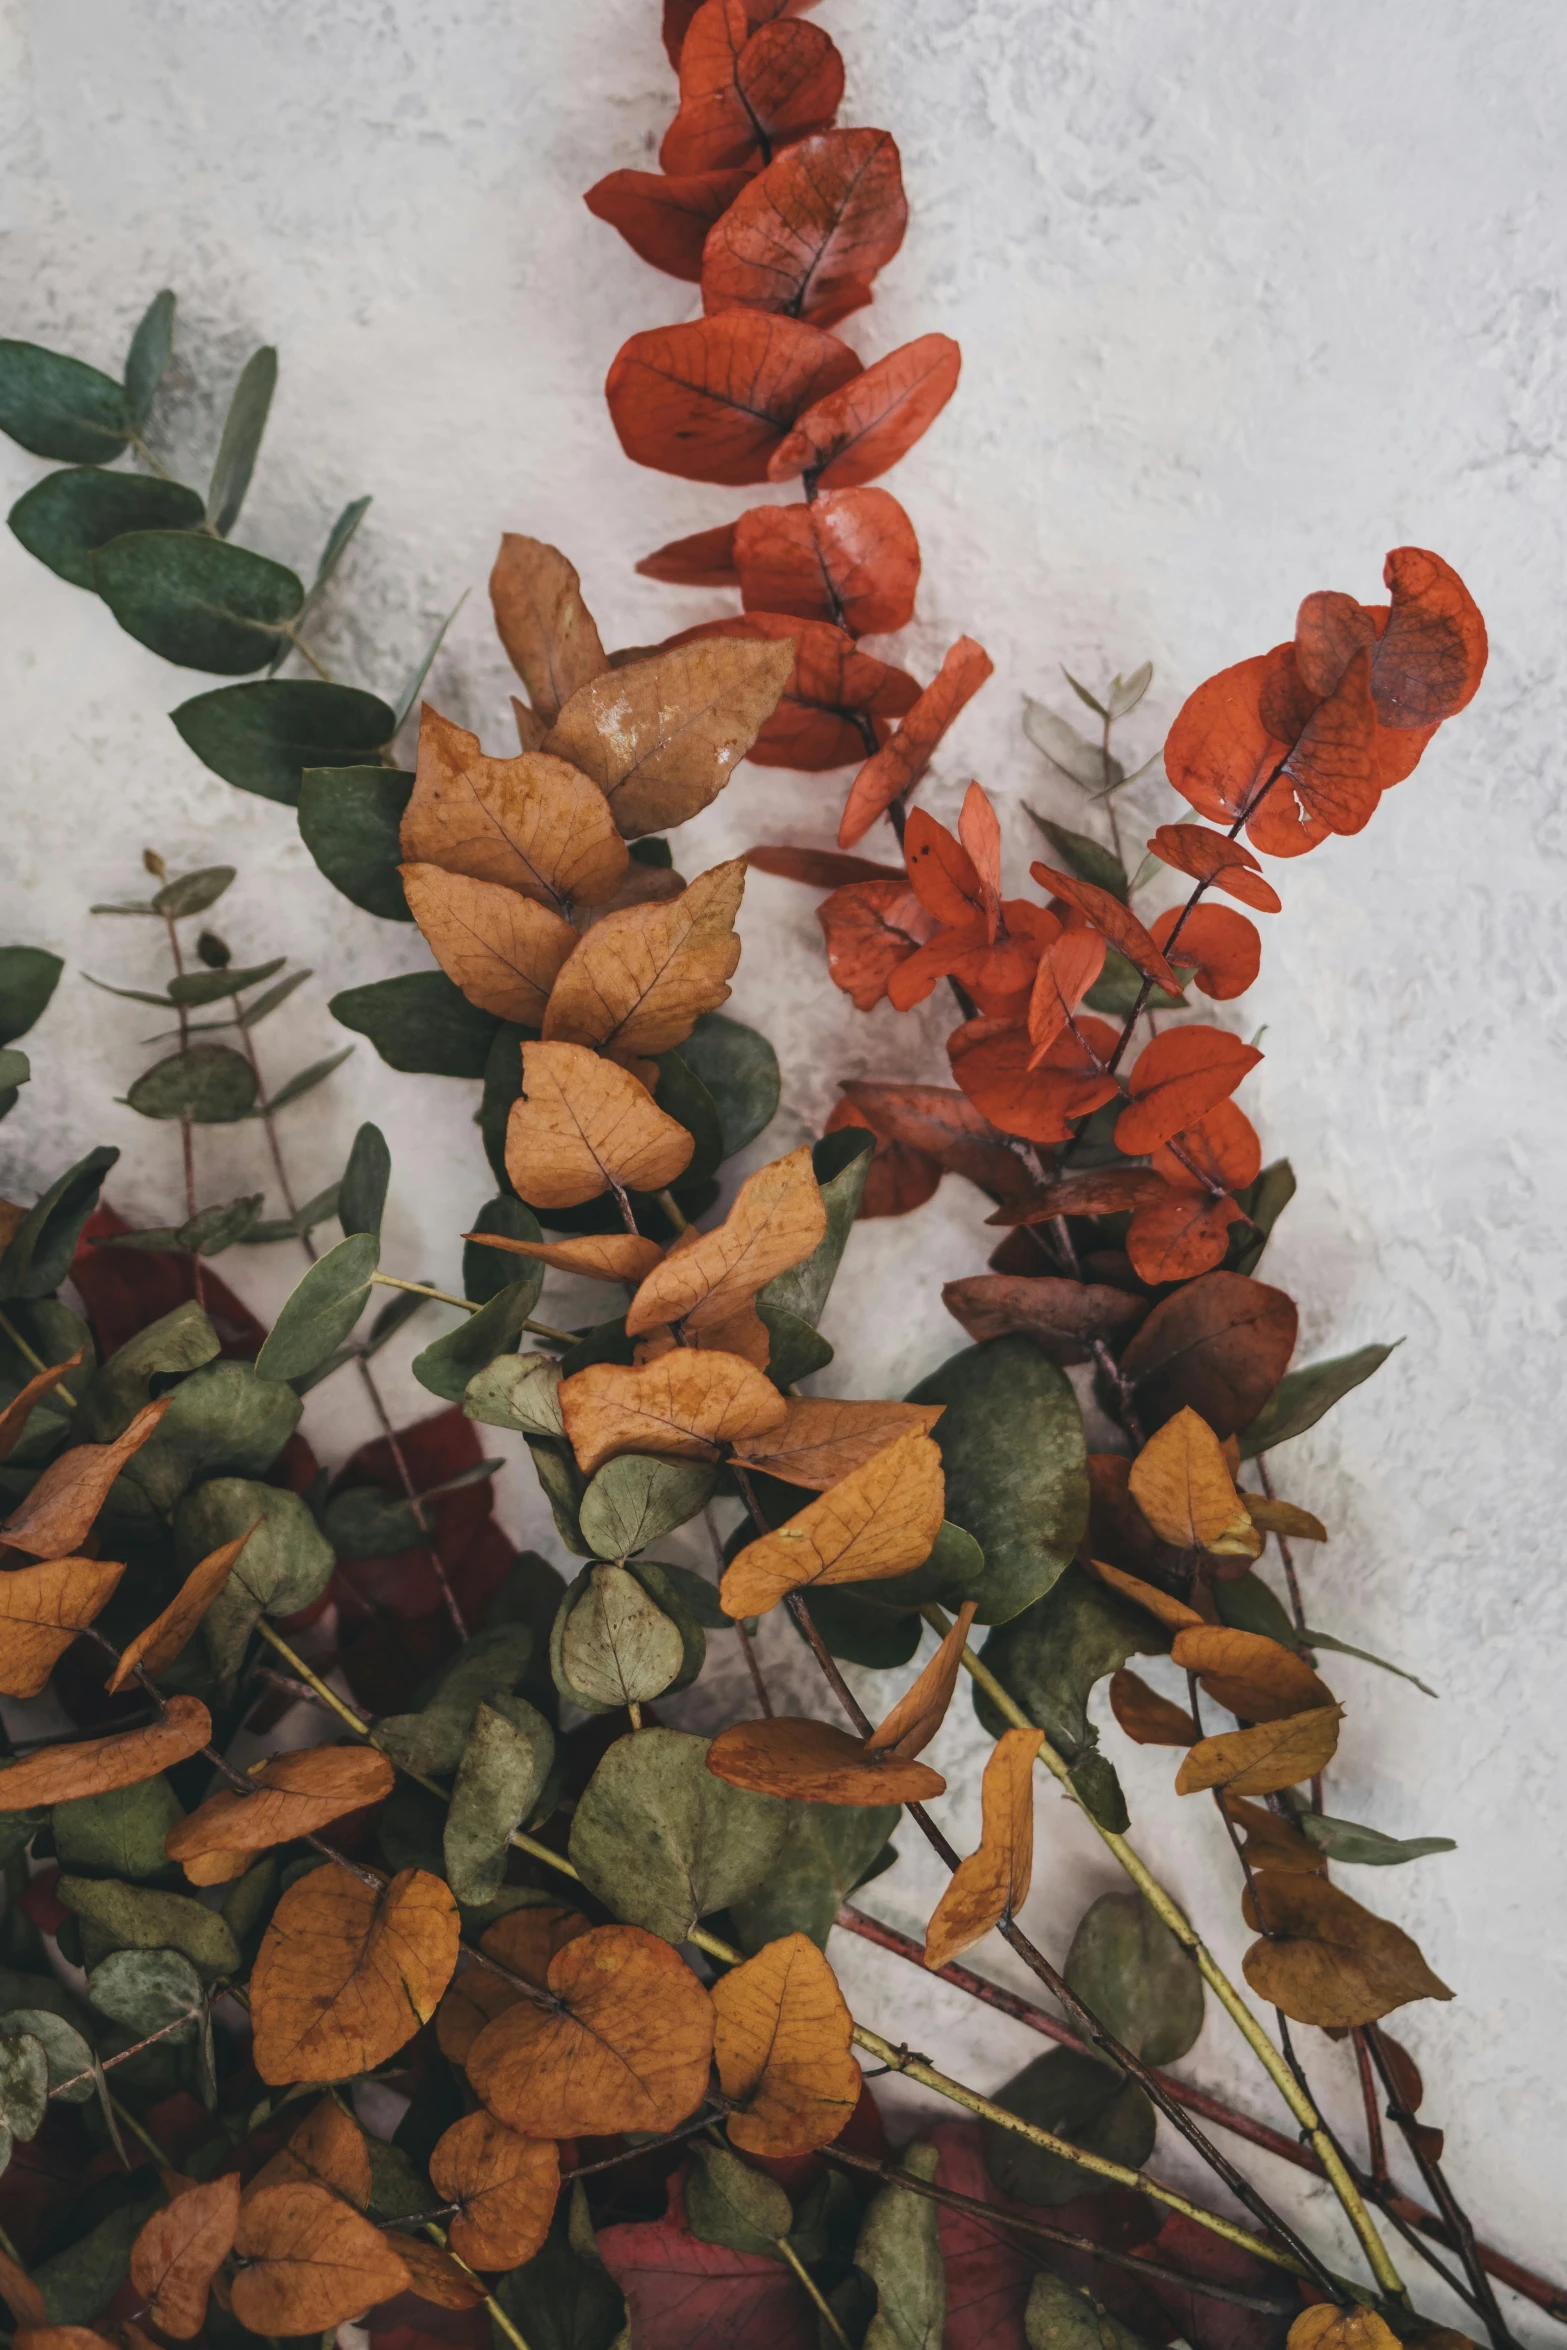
x=138, y=1918
x=145, y=1990
x=212, y=1230
x=565, y=2298
x=637, y=1499
x=796, y=1350
x=1074, y=2097
x=502, y=1086
x=563, y=1486
x=263, y=736
x=1313, y=1639
x=146, y=362
x=366, y=1522
x=242, y=430
x=1343, y=1840
x=517, y=1391
x=79, y=2283
x=841, y=1163
x=349, y=820
x=661, y=1841
x=1264, y=1202
x=180, y=1341
x=306, y=1080
x=828, y=1849
x=67, y=2052
x=612, y=1644
x=1050, y=1656
x=1120, y=985
x=740, y=1071
x=24, y=2085
x=28, y=978
x=1011, y=1441
x=953, y=1572
x=1127, y=692
x=1083, y=763
x=419, y=1022
x=224, y=1421
x=499, y=1781
x=210, y=1084
x=53, y=1333
x=1083, y=856
x=322, y=1309
x=120, y=1833
x=1129, y=1968
x=210, y=987
x=860, y=1633
x=361, y=1196
x=688, y=1601
x=729, y=2203
x=448, y=1366
x=285, y=1566
x=60, y=407
x=38, y=1256
x=681, y=1095
x=197, y=601
x=432, y=1740
x=193, y=893
x=899, y=2249
x=15, y=1070
x=421, y=669
x=1245, y=1603
x=314, y=1212
x=486, y=1271
x=1093, y=1781
x=1301, y=1397
x=1059, y=2317
x=65, y=518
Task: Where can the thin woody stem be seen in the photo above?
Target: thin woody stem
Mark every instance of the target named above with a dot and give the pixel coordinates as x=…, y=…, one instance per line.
x=809, y=2285
x=747, y=1644
x=1458, y=2222
x=1377, y=2150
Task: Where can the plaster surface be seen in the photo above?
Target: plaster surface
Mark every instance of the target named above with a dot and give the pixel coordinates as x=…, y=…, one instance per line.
x=1245, y=297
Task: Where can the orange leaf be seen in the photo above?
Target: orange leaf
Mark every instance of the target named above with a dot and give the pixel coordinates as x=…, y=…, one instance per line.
x=833, y=694
x=436, y=2277
x=1161, y=1604
x=1224, y=864
x=782, y=2042
x=1066, y=1318
x=1117, y=923
x=623, y=2045
x=42, y=1609
x=524, y=1941
x=1146, y=1717
x=327, y=2150
x=502, y=949
x=310, y=2262
x=97, y=1766
x=167, y=1634
x=179, y=2251
x=878, y=1521
x=992, y=1884
x=705, y=559
x=1327, y=1961
x=819, y=868
x=661, y=737
x=1272, y=1841
x=27, y=2305
x=823, y=1440
x=941, y=872
x=870, y=928
x=1179, y=1077
x=739, y=90
x=990, y=1060
x=1431, y=656
x=665, y=217
x=55, y=1516
x=17, y=1412
x=854, y=433
x=944, y=1125
x=297, y=1794
x=597, y=1256
x=584, y=1125
x=894, y=770
x=540, y=618
x=850, y=557
x=505, y=2188
x=814, y=1763
x=347, y=1972
x=1220, y=1149
x=1177, y=1237
x=713, y=399
x=1255, y=1678
x=1332, y=767
x=1182, y=1484
x=1222, y=947
x=921, y=1710
x=1065, y=973
x=809, y=234
x=685, y=1404
x=1219, y=754
x=46, y=2337
x=778, y=1220
x=1325, y=2326
x=979, y=832
x=640, y=980
x=1263, y=1760
x=532, y=823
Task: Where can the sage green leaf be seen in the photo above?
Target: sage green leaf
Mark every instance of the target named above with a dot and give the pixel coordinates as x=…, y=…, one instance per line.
x=261, y=737
x=121, y=1833
x=500, y=1778
x=193, y=893
x=1313, y=1639
x=261, y=1006
x=68, y=2054
x=1059, y=2317
x=899, y=2249
x=862, y=1634
x=321, y=1311
x=361, y=1196
x=1129, y=1968
x=210, y=1084
x=953, y=1572
x=243, y=427
x=1049, y=1658
x=285, y=1566
x=60, y=407
x=365, y=1521
x=686, y=1589
x=24, y=2084
x=214, y=1229
x=841, y=1162
x=65, y=518
x=1011, y=1442
x=1082, y=762
x=1263, y=1203
x=671, y=1589
x=796, y=1350
x=28, y=978
x=1089, y=859
x=79, y=2283
x=349, y=820
x=396, y=2189
x=315, y=1211
x=517, y=1391
x=38, y=1255
x=1090, y=2103
x=636, y=1500
x=1120, y=986
x=563, y=1486
x=611, y=1644
x=1245, y=1603
x=681, y=1095
x=419, y=1022
x=1343, y=1840
x=740, y=1071
x=447, y=1366
x=146, y=362
x=1301, y=1397
x=306, y=1080
x=661, y=1841
x=487, y=1271
x=1093, y=1781
x=224, y=1422
x=180, y=1341
x=191, y=988
x=828, y=1849
x=421, y=669
x=197, y=601
x=248, y=1900
x=564, y=2298
x=729, y=2203
x=432, y=1740
x=145, y=1990
x=137, y=1918
x=503, y=1086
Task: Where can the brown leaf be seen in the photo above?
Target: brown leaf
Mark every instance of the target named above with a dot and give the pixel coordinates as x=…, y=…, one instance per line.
x=810, y=232
x=783, y=2045
x=1283, y=1517
x=502, y=949
x=662, y=737
x=823, y=1439
x=540, y=618
x=711, y=400
x=639, y=981
x=17, y=1412
x=297, y=1794
x=942, y=1123
x=327, y=2150
x=1264, y=1760
x=504, y=2186
x=896, y=768
x=436, y=2277
x=921, y=1710
x=584, y=1125
x=1220, y=1345
x=524, y=1941
x=180, y=2249
x=1327, y=1961
x=42, y=1609
x=1272, y=1842
x=856, y=432
x=812, y=1762
x=1065, y=1318
x=1327, y=2327
x=55, y=1517
x=1162, y=1604
x=1182, y=1484
x=347, y=1972
x=310, y=2262
x=819, y=868
x=686, y=1404
x=533, y=823
x=167, y=1634
x=992, y=1883
x=777, y=1220
x=25, y=2301
x=834, y=695
x=597, y=1256
x=97, y=1766
x=625, y=2044
x=878, y=1521
x=1257, y=1679
x=1145, y=1716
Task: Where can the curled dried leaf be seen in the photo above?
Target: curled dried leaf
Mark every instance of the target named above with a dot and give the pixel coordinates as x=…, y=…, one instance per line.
x=1327, y=1961
x=295, y=1795
x=777, y=1220
x=1181, y=1482
x=812, y=1762
x=1256, y=1678
x=597, y=1256
x=894, y=770
x=549, y=633
x=1146, y=1717
x=167, y=1634
x=62, y=1774
x=55, y=1517
x=992, y=1883
x=14, y=1419
x=1263, y=1760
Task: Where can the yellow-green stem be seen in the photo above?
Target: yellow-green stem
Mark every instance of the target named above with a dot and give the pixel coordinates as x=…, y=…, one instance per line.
x=447, y=1297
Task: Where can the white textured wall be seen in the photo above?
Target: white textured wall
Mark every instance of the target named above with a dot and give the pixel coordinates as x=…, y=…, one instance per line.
x=1246, y=296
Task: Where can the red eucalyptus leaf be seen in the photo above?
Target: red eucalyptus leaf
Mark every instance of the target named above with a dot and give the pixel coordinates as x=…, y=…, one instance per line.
x=1223, y=864
x=1431, y=656
x=835, y=697
x=870, y=928
x=1180, y=1236
x=898, y=766
x=1108, y=1191
x=1221, y=946
x=711, y=400
x=743, y=92
x=943, y=1125
x=664, y=217
x=1180, y=1075
x=819, y=868
x=678, y=15
x=1118, y=924
x=705, y=559
x=850, y=436
x=941, y=871
x=811, y=231
x=990, y=1060
x=1067, y=970
x=1219, y=1152
x=850, y=557
x=1221, y=1345
x=900, y=1179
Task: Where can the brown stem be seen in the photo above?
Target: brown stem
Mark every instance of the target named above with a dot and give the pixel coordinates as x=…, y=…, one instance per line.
x=590, y=2170
x=1460, y=2229
x=1376, y=2150
x=1297, y=1604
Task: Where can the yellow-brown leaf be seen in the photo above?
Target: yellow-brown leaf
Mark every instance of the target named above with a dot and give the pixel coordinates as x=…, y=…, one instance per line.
x=42, y=1609
x=524, y=1941
x=297, y=1794
x=310, y=2262
x=435, y=2276
x=686, y=1404
x=1258, y=1679
x=1324, y=2326
x=1183, y=1487
x=180, y=2249
x=1266, y=1759
x=18, y=1411
x=167, y=1634
x=502, y=949
x=504, y=2186
x=598, y=1256
x=327, y=2150
x=530, y=823
x=919, y=1713
x=1272, y=1841
x=98, y=1766
x=550, y=636
x=661, y=737
x=55, y=1516
x=782, y=2042
x=815, y=1763
x=1162, y=1604
x=879, y=1521
x=1327, y=1961
x=585, y=1125
x=992, y=1883
x=778, y=1219
x=347, y=1972
x=1283, y=1517
x=639, y=981
x=1146, y=1717
x=823, y=1439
